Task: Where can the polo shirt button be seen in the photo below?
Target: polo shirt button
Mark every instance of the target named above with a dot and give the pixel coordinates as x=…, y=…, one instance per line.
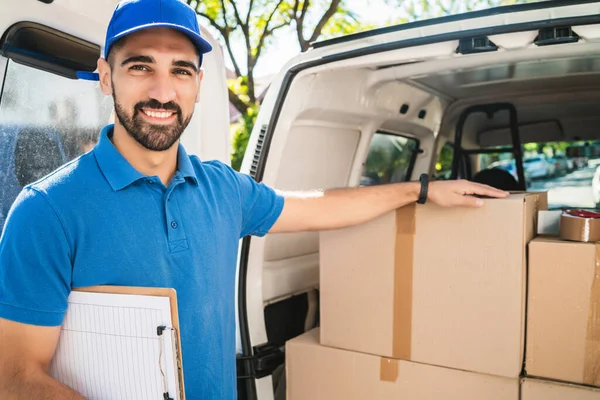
x=174, y=225
x=150, y=181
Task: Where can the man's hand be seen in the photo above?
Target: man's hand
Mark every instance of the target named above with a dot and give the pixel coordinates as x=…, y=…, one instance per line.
x=25, y=355
x=460, y=193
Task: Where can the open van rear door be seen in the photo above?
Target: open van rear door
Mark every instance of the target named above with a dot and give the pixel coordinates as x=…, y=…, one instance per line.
x=77, y=30
x=313, y=131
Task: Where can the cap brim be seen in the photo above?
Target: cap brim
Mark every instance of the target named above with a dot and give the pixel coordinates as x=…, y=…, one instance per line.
x=88, y=76
x=199, y=42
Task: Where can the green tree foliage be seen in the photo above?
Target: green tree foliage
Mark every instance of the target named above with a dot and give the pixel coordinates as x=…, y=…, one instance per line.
x=253, y=23
x=240, y=134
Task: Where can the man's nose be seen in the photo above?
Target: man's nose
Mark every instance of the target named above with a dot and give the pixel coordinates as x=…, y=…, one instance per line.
x=162, y=88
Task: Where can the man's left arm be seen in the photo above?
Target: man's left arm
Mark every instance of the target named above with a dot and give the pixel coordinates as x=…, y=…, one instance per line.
x=339, y=208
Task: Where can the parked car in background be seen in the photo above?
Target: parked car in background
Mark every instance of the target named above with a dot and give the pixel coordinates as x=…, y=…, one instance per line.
x=538, y=167
x=596, y=186
x=511, y=167
x=560, y=165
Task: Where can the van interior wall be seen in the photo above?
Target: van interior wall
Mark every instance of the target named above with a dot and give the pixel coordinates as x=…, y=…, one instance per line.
x=324, y=133
x=327, y=121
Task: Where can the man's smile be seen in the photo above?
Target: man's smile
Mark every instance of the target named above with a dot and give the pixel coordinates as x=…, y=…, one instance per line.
x=159, y=115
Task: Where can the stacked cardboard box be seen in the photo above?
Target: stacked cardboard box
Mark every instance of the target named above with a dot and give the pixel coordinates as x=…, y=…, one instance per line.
x=317, y=372
x=563, y=319
x=421, y=303
x=535, y=389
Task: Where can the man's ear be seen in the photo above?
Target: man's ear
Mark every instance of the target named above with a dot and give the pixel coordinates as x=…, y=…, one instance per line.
x=200, y=76
x=105, y=77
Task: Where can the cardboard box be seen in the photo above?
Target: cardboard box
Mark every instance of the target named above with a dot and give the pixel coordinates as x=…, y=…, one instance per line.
x=440, y=286
x=533, y=389
x=563, y=311
x=316, y=372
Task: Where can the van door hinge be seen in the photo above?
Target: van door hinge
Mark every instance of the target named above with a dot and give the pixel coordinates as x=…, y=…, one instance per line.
x=265, y=360
x=478, y=44
x=557, y=35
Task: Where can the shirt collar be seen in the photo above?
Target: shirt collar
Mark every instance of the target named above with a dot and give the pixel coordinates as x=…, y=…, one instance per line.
x=117, y=170
x=184, y=165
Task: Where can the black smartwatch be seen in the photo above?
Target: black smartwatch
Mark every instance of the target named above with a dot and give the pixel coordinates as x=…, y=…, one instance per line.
x=424, y=186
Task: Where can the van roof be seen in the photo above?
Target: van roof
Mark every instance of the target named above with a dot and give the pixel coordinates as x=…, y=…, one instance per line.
x=450, y=18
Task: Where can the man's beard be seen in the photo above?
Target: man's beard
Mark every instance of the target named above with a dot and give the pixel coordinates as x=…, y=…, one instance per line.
x=152, y=137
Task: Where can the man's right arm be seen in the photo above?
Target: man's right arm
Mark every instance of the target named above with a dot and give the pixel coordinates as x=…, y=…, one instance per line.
x=25, y=355
x=35, y=282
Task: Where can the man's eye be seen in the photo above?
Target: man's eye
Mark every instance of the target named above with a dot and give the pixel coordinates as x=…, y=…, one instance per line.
x=139, y=68
x=182, y=72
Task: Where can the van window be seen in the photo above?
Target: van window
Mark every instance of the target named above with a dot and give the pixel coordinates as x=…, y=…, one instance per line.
x=46, y=120
x=443, y=167
x=570, y=182
x=391, y=158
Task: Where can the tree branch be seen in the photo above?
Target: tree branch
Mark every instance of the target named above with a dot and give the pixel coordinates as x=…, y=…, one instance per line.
x=304, y=10
x=300, y=23
x=236, y=67
x=273, y=29
x=224, y=31
x=224, y=10
x=212, y=22
x=237, y=102
x=266, y=32
x=326, y=17
x=249, y=10
x=243, y=24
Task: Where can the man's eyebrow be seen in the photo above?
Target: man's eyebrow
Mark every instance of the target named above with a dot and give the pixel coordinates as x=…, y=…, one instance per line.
x=186, y=64
x=134, y=59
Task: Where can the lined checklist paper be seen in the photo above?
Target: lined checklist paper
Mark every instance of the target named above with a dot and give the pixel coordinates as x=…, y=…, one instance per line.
x=109, y=347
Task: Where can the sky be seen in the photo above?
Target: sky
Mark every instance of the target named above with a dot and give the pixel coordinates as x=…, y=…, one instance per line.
x=285, y=44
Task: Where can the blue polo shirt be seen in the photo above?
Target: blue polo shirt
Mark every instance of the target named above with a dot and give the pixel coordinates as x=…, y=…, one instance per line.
x=98, y=221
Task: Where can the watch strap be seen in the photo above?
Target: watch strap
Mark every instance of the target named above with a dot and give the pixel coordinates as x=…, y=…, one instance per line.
x=424, y=178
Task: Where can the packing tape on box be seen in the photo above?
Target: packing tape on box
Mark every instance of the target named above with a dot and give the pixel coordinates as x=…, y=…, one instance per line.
x=388, y=371
x=591, y=369
x=403, y=282
x=580, y=226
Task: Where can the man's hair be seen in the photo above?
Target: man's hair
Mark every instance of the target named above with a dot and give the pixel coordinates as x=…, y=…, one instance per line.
x=110, y=57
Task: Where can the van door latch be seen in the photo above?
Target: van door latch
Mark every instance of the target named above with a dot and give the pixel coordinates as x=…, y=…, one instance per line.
x=266, y=359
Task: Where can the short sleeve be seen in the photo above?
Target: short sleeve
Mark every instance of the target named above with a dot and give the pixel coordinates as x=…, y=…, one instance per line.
x=261, y=206
x=35, y=263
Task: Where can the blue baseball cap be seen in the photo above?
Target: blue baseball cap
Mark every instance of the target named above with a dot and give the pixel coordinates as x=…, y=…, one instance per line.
x=135, y=15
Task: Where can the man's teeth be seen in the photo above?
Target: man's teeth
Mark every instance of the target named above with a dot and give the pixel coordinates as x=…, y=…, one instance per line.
x=156, y=114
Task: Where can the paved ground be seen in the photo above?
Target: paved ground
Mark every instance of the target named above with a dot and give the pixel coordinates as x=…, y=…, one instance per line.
x=571, y=190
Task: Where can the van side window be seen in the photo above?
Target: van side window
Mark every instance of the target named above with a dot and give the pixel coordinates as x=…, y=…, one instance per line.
x=443, y=167
x=391, y=158
x=45, y=121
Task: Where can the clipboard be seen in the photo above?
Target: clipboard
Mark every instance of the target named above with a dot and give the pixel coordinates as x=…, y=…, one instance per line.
x=121, y=342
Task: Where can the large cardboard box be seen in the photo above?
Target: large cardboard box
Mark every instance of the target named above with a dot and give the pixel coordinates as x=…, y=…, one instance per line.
x=563, y=311
x=441, y=286
x=316, y=372
x=534, y=389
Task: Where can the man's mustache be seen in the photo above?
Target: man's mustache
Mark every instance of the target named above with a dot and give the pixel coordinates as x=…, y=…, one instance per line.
x=157, y=105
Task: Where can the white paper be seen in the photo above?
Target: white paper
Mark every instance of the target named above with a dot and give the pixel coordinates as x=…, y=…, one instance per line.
x=109, y=347
x=549, y=222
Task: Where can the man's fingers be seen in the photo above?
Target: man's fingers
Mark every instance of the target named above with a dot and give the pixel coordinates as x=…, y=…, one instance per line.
x=469, y=201
x=485, y=190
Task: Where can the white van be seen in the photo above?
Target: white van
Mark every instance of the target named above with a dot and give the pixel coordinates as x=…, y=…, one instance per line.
x=450, y=97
